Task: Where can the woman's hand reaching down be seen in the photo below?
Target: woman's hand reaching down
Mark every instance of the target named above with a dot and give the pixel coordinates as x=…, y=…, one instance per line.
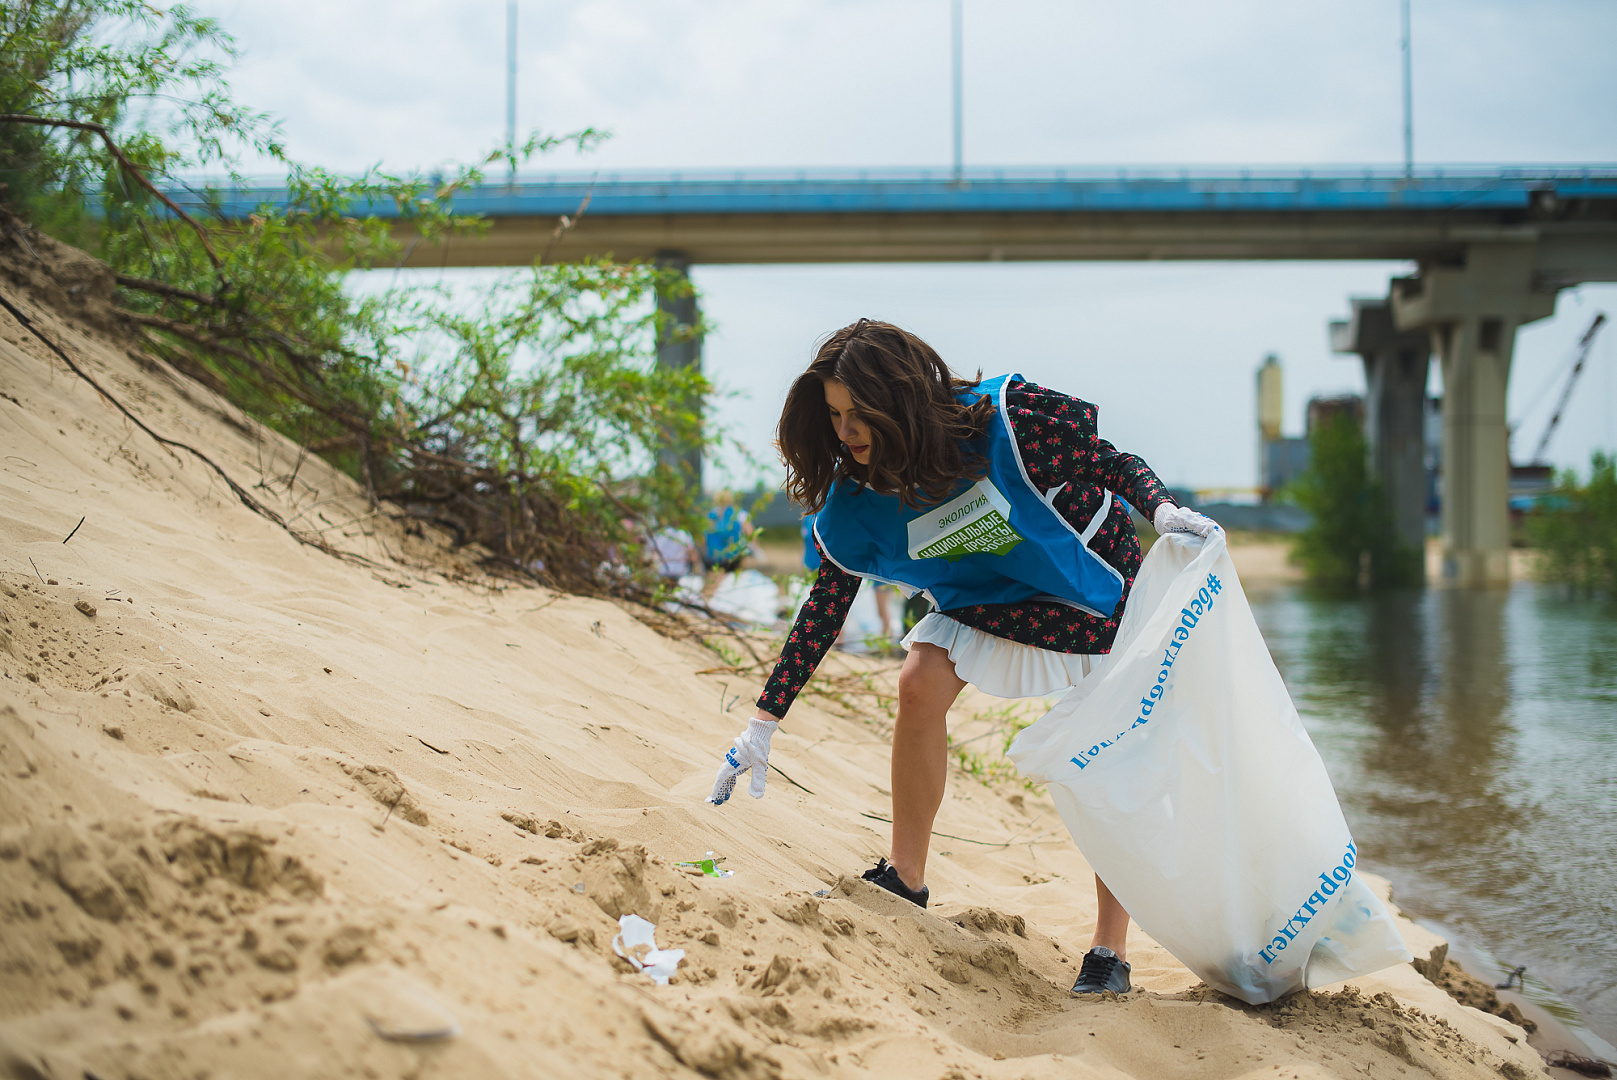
x=750, y=751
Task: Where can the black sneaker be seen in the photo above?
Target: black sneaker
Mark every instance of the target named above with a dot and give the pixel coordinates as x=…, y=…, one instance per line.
x=884, y=875
x=1102, y=971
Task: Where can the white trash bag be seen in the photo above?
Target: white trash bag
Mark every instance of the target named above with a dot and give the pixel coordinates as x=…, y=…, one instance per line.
x=1187, y=780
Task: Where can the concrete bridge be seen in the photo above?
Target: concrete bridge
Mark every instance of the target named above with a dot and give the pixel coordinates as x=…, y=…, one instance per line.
x=1493, y=245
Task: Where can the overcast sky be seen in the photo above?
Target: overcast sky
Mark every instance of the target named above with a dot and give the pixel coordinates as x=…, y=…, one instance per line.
x=1168, y=351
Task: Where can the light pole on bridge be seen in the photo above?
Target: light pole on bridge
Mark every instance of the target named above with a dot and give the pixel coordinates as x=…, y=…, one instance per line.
x=957, y=28
x=1409, y=103
x=511, y=84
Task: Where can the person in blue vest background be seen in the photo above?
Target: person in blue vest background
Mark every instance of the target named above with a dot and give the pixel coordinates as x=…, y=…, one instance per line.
x=996, y=500
x=728, y=539
x=811, y=553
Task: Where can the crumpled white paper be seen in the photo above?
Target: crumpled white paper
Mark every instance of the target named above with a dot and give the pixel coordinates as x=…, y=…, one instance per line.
x=636, y=942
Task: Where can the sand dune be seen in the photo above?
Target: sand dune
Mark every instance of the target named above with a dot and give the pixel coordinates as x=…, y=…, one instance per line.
x=267, y=812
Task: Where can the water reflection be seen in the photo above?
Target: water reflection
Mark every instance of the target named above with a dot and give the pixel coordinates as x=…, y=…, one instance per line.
x=1471, y=738
x=1442, y=779
x=1397, y=651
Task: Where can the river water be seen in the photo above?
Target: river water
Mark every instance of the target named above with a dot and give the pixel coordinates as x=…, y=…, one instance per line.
x=1472, y=738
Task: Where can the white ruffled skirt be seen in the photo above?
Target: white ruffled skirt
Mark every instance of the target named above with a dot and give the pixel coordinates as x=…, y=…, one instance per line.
x=996, y=666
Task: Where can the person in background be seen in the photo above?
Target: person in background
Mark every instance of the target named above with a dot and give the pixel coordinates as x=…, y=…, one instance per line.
x=811, y=554
x=728, y=539
x=999, y=501
x=915, y=609
x=673, y=554
x=883, y=593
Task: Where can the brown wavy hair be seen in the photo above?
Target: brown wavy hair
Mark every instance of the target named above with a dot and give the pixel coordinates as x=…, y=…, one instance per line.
x=905, y=394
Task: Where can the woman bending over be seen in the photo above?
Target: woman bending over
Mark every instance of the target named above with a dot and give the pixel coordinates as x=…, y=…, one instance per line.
x=996, y=500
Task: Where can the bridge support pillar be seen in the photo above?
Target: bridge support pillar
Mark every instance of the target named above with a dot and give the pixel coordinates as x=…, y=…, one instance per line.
x=1395, y=367
x=1472, y=313
x=680, y=347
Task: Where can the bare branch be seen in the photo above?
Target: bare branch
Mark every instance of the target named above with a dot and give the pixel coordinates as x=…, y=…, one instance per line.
x=129, y=166
x=564, y=223
x=164, y=289
x=262, y=370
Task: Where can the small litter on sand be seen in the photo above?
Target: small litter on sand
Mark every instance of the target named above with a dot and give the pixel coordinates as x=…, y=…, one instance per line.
x=400, y=1012
x=708, y=867
x=636, y=942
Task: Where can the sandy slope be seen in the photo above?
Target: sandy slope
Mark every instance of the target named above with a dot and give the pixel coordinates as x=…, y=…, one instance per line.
x=263, y=802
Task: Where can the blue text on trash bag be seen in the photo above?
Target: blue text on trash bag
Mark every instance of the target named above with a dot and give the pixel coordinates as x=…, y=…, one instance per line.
x=1189, y=616
x=1331, y=880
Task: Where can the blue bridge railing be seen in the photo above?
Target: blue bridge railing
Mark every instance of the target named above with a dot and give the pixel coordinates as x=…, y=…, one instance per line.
x=1267, y=190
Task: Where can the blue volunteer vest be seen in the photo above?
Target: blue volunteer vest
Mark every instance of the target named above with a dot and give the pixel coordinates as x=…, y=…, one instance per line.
x=997, y=540
x=724, y=540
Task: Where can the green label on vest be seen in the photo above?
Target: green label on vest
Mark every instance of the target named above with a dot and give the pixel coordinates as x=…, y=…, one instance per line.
x=976, y=523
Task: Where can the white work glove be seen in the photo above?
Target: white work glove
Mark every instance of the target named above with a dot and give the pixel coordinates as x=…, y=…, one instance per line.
x=751, y=751
x=1170, y=518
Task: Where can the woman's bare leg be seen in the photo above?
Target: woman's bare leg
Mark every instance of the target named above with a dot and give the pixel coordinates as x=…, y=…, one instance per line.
x=1111, y=921
x=927, y=686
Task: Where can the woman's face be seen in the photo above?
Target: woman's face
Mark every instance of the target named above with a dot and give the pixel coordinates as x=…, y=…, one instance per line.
x=845, y=419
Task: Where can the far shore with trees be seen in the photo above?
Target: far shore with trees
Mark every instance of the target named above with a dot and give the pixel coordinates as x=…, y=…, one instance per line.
x=1351, y=546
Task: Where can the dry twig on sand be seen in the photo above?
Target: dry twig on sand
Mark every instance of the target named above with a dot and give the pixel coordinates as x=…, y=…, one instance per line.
x=236, y=489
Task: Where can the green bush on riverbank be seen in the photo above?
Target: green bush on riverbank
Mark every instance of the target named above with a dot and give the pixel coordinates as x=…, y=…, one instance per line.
x=1351, y=543
x=530, y=419
x=1575, y=529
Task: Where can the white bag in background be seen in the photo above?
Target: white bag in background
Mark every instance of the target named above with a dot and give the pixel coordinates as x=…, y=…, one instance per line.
x=1191, y=787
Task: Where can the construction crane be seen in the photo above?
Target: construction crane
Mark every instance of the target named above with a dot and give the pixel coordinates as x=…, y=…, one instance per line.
x=1566, y=392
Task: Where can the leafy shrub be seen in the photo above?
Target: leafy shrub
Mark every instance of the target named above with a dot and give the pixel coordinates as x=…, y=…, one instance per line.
x=531, y=419
x=1351, y=542
x=1575, y=529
